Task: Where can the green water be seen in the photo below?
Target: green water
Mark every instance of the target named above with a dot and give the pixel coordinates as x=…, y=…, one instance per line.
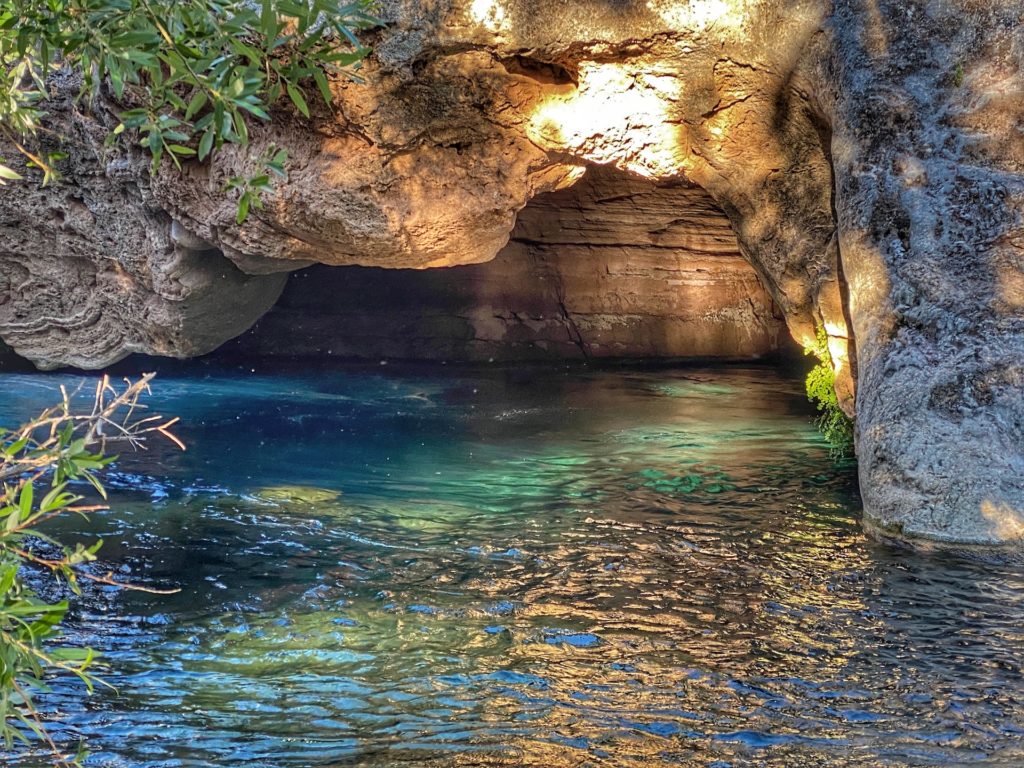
x=537, y=567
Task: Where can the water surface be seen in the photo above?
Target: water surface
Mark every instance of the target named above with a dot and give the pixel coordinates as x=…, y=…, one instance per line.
x=535, y=567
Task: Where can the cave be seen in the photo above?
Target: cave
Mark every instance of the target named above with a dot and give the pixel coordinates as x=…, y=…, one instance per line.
x=613, y=267
x=431, y=376
x=872, y=180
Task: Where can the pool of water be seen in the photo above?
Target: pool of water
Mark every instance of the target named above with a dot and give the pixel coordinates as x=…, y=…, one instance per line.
x=521, y=568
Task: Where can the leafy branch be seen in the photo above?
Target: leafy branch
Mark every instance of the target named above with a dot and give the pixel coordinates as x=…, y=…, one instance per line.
x=39, y=463
x=188, y=73
x=820, y=384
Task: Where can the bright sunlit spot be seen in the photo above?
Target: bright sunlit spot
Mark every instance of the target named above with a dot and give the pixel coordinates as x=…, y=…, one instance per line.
x=489, y=13
x=700, y=15
x=837, y=343
x=616, y=115
x=1007, y=521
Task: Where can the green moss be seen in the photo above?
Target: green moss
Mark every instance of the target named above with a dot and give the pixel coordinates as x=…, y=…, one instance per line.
x=835, y=425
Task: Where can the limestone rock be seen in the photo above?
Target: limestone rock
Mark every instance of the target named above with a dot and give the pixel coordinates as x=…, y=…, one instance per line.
x=89, y=272
x=615, y=266
x=927, y=113
x=869, y=155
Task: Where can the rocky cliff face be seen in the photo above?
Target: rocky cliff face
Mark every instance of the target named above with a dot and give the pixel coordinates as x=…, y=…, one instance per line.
x=869, y=155
x=614, y=266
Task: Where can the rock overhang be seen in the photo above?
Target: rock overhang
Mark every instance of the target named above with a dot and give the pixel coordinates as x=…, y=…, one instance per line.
x=868, y=154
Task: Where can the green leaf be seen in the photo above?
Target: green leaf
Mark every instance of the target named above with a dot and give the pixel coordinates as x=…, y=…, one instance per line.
x=247, y=52
x=243, y=209
x=268, y=20
x=241, y=129
x=32, y=608
x=297, y=99
x=206, y=143
x=7, y=173
x=254, y=109
x=196, y=103
x=325, y=88
x=16, y=447
x=25, y=501
x=56, y=499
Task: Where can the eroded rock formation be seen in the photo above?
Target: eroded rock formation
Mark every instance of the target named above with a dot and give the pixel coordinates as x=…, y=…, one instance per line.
x=89, y=271
x=614, y=266
x=868, y=153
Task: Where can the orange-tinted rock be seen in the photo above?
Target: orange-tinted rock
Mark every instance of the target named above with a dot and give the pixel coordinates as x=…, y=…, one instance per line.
x=615, y=266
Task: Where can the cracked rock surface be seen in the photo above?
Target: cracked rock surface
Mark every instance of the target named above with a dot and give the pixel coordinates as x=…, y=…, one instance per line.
x=869, y=155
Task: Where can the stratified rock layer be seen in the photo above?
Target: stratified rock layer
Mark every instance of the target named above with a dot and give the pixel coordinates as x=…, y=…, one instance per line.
x=613, y=267
x=90, y=273
x=868, y=153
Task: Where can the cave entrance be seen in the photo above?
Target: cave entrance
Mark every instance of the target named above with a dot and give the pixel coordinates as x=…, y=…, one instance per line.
x=614, y=267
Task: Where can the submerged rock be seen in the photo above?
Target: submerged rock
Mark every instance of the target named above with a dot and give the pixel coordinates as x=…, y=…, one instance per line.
x=869, y=156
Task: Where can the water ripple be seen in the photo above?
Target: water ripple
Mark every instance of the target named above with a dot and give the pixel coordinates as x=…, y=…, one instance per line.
x=461, y=569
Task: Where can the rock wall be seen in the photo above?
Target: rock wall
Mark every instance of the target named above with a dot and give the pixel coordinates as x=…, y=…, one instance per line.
x=614, y=266
x=869, y=155
x=926, y=107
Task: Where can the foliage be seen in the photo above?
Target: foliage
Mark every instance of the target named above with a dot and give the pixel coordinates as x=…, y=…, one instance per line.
x=187, y=72
x=40, y=462
x=834, y=424
x=250, y=190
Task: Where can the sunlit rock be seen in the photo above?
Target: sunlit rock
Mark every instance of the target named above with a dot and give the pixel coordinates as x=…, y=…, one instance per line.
x=868, y=154
x=613, y=267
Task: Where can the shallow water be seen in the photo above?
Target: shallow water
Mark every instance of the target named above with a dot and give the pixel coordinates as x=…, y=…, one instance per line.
x=557, y=568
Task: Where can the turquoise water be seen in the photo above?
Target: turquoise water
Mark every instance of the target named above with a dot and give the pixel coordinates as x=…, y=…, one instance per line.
x=537, y=567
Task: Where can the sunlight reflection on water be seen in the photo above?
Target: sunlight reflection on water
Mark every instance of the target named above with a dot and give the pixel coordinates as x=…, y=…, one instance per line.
x=536, y=568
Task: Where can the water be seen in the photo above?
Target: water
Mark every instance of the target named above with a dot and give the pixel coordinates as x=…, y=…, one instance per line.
x=542, y=568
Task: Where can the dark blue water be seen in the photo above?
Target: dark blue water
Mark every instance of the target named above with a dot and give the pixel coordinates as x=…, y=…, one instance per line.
x=537, y=568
